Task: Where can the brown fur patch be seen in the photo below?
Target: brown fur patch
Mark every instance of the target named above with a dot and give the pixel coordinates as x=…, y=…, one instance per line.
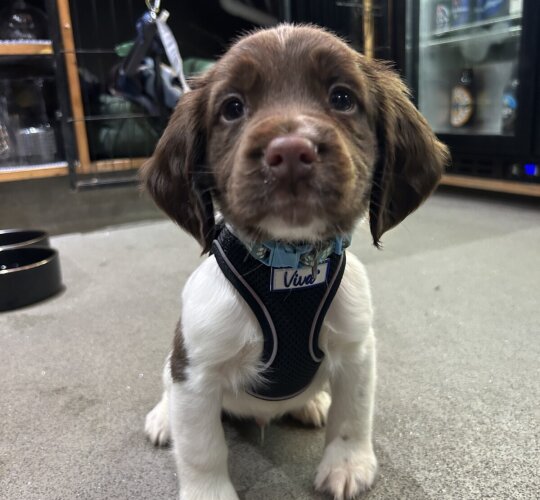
x=179, y=359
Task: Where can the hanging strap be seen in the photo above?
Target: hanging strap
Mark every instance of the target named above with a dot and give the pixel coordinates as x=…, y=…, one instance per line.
x=171, y=48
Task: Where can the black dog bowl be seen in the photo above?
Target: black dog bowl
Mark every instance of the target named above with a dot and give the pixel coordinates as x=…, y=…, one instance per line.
x=11, y=239
x=28, y=275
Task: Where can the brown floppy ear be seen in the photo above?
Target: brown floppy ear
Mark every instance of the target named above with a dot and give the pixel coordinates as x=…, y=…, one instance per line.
x=174, y=175
x=411, y=158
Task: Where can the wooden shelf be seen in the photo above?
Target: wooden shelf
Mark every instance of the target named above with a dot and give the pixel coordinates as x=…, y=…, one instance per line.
x=502, y=186
x=58, y=169
x=33, y=172
x=30, y=48
x=114, y=165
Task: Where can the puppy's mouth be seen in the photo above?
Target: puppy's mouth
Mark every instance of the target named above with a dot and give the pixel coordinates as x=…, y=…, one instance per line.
x=295, y=205
x=276, y=227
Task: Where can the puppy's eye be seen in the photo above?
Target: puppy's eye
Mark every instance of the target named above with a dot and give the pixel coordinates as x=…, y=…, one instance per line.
x=342, y=99
x=232, y=109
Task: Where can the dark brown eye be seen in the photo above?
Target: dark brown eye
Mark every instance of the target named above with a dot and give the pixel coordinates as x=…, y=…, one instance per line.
x=233, y=109
x=342, y=99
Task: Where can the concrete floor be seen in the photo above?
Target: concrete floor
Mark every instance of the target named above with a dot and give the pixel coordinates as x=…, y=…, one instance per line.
x=458, y=325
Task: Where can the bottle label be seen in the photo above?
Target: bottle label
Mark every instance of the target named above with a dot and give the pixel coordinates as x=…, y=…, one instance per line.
x=478, y=10
x=495, y=8
x=509, y=102
x=442, y=17
x=461, y=10
x=508, y=113
x=462, y=106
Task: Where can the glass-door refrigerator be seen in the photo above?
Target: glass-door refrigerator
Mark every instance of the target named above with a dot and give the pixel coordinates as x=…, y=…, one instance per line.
x=473, y=66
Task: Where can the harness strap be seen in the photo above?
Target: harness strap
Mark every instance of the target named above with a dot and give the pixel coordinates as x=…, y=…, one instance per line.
x=290, y=315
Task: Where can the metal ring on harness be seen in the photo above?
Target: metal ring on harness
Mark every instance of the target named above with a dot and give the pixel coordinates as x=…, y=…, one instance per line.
x=153, y=7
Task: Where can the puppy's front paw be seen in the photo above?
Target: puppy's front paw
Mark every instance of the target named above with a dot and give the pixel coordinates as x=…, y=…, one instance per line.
x=346, y=470
x=156, y=426
x=315, y=411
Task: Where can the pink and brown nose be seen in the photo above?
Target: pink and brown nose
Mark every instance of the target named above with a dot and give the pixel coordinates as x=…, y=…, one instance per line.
x=290, y=157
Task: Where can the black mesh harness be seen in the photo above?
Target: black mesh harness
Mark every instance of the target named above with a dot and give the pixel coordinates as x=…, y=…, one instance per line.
x=290, y=306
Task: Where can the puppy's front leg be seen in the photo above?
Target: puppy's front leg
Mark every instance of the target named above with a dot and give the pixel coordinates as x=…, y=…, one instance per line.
x=349, y=464
x=199, y=442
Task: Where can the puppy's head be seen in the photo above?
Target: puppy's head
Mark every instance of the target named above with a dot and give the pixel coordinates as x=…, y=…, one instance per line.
x=294, y=136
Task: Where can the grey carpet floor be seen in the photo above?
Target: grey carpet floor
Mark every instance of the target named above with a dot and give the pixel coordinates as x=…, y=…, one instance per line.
x=458, y=323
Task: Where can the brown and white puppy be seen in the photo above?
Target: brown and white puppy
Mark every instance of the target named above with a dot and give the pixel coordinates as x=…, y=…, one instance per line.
x=293, y=136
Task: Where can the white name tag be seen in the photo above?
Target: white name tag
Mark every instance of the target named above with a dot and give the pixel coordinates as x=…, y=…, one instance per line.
x=289, y=278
